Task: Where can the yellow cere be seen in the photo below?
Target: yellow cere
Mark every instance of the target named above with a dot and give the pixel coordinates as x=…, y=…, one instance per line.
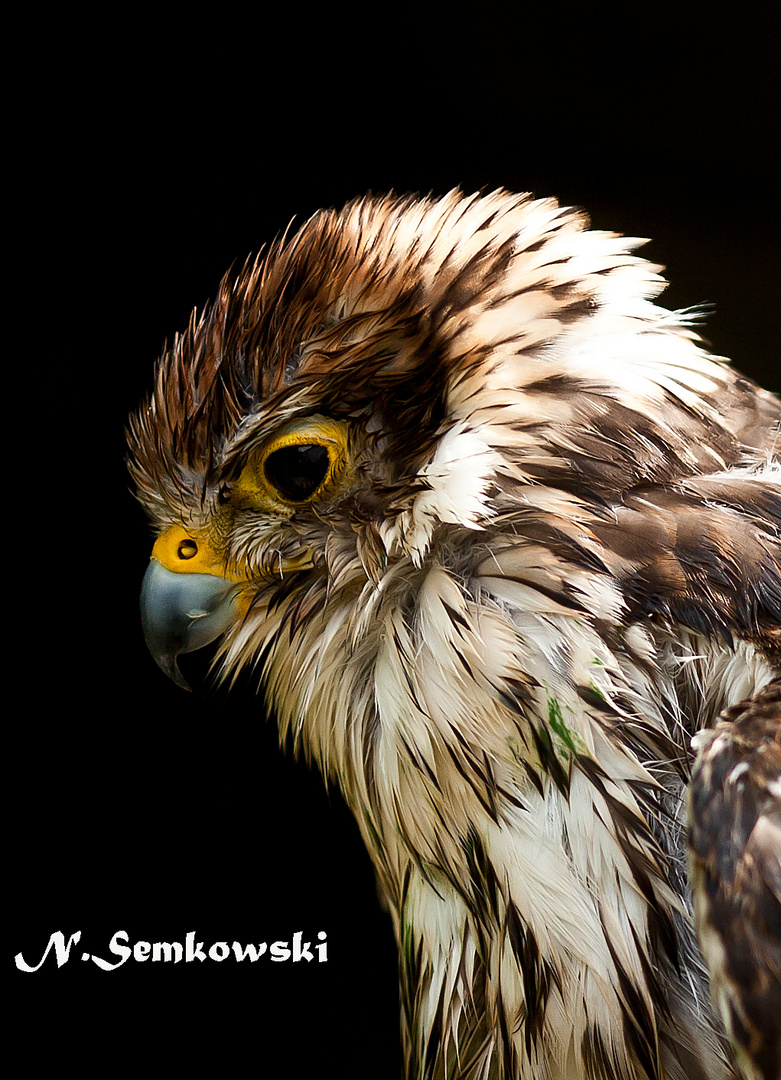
x=186, y=551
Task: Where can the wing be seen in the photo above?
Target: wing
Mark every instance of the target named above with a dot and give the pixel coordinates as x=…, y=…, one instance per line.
x=735, y=848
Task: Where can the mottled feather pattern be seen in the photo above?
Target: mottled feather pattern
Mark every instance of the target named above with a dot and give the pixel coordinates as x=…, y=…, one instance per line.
x=735, y=842
x=557, y=557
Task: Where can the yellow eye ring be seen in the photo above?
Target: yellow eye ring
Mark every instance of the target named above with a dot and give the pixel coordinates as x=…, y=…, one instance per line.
x=298, y=465
x=296, y=470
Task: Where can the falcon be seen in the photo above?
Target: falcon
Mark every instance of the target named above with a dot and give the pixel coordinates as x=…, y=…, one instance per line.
x=499, y=537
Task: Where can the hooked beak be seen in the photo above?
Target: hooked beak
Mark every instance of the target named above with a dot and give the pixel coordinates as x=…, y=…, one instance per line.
x=187, y=600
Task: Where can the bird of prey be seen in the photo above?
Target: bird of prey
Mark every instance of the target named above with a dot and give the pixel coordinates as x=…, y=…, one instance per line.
x=500, y=537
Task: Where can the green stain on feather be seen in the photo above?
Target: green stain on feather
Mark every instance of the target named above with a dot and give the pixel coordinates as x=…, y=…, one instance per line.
x=596, y=691
x=556, y=722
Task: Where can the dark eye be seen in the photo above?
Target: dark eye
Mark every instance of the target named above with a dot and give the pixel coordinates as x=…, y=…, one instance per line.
x=296, y=472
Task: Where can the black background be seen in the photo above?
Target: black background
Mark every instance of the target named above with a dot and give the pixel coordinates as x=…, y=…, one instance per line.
x=148, y=160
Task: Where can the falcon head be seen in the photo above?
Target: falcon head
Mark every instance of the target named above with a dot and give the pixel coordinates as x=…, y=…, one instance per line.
x=386, y=385
x=499, y=536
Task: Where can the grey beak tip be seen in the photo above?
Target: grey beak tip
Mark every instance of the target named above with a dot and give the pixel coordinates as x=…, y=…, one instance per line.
x=169, y=665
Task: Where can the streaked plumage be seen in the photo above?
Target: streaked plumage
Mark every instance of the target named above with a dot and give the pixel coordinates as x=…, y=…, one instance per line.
x=735, y=841
x=499, y=536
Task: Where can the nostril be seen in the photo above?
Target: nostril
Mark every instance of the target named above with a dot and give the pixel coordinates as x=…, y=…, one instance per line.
x=187, y=549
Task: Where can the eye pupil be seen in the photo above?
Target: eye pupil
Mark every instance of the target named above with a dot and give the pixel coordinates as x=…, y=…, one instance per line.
x=297, y=471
